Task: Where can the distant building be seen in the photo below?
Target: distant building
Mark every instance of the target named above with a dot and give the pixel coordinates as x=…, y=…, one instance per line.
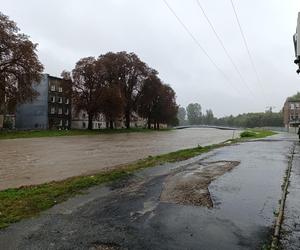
x=80, y=120
x=50, y=110
x=291, y=113
x=137, y=122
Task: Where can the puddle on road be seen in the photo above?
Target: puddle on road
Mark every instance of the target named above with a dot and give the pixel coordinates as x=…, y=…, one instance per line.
x=105, y=246
x=190, y=187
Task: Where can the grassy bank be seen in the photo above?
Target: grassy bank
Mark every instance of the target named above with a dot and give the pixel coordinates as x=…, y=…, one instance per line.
x=54, y=133
x=256, y=133
x=24, y=202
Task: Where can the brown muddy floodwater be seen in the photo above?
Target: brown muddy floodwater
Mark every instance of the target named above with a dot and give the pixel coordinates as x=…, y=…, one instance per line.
x=39, y=160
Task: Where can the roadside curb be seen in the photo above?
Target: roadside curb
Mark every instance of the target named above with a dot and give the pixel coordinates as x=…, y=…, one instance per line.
x=280, y=214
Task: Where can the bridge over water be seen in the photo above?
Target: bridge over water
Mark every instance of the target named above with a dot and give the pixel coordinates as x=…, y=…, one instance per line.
x=206, y=126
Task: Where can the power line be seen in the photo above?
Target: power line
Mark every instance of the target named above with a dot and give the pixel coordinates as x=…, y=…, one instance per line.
x=199, y=45
x=224, y=48
x=247, y=47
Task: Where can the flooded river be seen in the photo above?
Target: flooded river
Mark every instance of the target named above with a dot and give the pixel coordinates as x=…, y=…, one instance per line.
x=39, y=160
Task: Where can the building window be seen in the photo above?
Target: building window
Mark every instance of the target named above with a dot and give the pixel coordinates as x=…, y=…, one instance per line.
x=60, y=99
x=60, y=123
x=52, y=98
x=52, y=87
x=292, y=106
x=67, y=101
x=67, y=123
x=60, y=111
x=52, y=110
x=297, y=105
x=83, y=116
x=83, y=125
x=60, y=89
x=67, y=112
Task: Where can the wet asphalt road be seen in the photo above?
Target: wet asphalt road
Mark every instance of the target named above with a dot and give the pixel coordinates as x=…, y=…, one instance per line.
x=38, y=160
x=130, y=215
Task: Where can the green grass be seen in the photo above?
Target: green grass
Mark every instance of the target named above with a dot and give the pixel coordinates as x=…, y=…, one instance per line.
x=28, y=201
x=12, y=134
x=256, y=133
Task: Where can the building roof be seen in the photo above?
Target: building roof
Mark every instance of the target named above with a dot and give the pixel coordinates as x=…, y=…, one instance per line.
x=53, y=77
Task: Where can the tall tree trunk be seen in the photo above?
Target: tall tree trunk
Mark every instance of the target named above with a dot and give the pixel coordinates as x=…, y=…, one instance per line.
x=149, y=123
x=154, y=125
x=157, y=126
x=90, y=122
x=127, y=118
x=111, y=124
x=107, y=124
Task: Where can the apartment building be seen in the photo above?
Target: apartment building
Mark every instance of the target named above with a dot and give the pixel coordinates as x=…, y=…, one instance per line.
x=50, y=110
x=291, y=113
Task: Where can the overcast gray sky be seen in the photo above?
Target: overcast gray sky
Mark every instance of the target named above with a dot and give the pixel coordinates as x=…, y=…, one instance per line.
x=71, y=29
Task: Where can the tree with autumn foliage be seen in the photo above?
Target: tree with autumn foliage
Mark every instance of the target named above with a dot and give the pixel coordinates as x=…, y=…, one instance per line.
x=118, y=84
x=112, y=104
x=19, y=66
x=130, y=72
x=88, y=82
x=157, y=102
x=165, y=109
x=149, y=96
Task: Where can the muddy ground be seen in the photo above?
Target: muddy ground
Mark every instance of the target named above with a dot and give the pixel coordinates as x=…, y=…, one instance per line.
x=223, y=205
x=38, y=160
x=190, y=186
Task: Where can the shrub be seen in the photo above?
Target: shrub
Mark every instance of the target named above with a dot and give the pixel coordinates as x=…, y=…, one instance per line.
x=248, y=134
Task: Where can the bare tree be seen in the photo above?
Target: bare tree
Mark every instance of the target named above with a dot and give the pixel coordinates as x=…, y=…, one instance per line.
x=19, y=66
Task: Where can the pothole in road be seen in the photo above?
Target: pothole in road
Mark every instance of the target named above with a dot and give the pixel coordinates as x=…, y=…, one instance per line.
x=105, y=246
x=190, y=186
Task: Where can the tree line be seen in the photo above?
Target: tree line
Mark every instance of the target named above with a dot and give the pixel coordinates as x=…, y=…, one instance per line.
x=118, y=85
x=192, y=115
x=114, y=84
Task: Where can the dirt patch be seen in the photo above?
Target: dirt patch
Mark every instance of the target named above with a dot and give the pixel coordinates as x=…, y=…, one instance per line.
x=190, y=187
x=105, y=246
